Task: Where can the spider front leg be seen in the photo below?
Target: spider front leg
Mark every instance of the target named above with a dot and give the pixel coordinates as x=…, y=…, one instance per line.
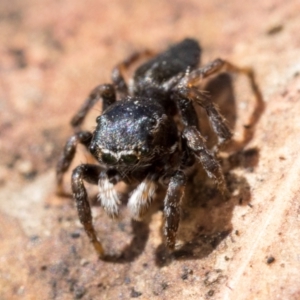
x=89, y=173
x=172, y=201
x=106, y=92
x=82, y=137
x=196, y=143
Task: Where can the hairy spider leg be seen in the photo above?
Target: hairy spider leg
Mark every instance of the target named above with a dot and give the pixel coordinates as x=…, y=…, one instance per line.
x=217, y=121
x=196, y=143
x=172, y=201
x=117, y=75
x=216, y=66
x=89, y=173
x=106, y=92
x=82, y=137
x=187, y=110
x=187, y=88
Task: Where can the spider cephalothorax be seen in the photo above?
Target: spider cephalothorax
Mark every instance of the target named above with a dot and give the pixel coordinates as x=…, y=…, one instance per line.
x=133, y=131
x=148, y=137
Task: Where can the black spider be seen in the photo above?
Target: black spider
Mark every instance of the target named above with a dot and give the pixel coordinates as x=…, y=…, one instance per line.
x=149, y=137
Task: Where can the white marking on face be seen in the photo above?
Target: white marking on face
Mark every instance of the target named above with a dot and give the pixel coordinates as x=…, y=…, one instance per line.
x=119, y=154
x=108, y=197
x=141, y=198
x=126, y=152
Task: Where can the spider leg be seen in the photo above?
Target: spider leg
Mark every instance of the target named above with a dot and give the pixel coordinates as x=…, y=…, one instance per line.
x=117, y=75
x=216, y=66
x=217, y=121
x=104, y=91
x=172, y=200
x=89, y=173
x=82, y=137
x=188, y=114
x=187, y=87
x=142, y=197
x=196, y=143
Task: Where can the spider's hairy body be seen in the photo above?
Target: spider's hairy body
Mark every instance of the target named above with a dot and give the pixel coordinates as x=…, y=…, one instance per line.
x=148, y=135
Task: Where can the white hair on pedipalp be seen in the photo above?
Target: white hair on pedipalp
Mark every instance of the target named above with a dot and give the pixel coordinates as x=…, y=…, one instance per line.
x=108, y=197
x=141, y=197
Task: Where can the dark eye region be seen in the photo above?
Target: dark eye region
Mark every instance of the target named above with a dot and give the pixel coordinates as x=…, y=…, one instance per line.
x=109, y=159
x=129, y=159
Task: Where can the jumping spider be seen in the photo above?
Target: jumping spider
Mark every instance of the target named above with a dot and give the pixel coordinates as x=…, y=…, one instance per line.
x=149, y=137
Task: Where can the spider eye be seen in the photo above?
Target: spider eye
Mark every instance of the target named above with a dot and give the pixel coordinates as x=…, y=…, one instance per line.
x=129, y=159
x=153, y=122
x=108, y=159
x=144, y=151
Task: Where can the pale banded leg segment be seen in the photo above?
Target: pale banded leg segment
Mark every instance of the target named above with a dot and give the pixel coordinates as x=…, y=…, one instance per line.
x=172, y=203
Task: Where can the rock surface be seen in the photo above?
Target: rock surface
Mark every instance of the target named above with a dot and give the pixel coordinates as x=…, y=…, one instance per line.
x=52, y=54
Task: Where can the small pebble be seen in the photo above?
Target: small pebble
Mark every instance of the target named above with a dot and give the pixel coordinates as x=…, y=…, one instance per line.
x=24, y=167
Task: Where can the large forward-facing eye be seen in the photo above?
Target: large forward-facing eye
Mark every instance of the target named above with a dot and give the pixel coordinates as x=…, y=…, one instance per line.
x=129, y=159
x=108, y=159
x=145, y=150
